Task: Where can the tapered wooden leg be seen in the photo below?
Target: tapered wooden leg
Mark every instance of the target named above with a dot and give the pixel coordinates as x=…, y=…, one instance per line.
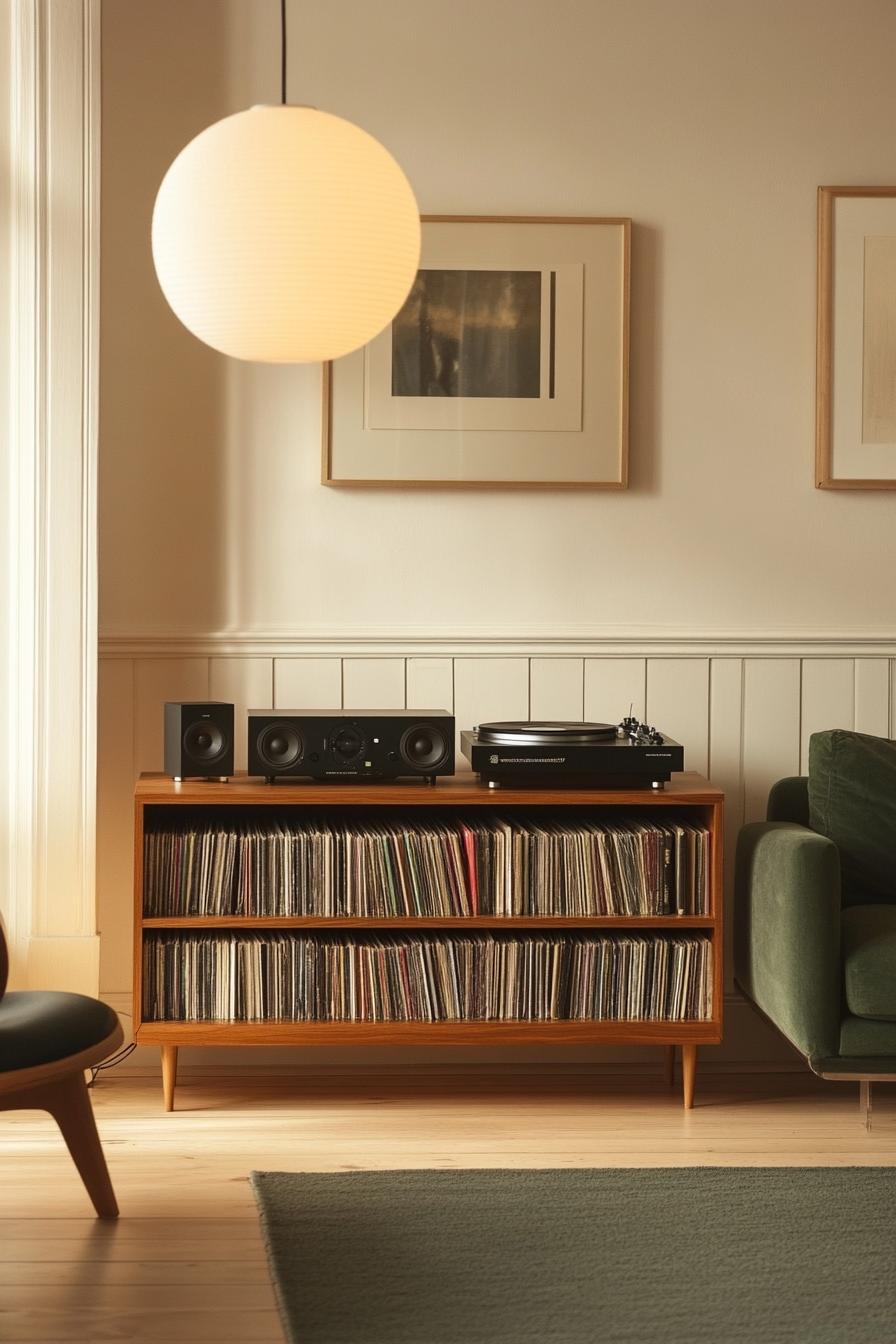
x=688, y=1073
x=670, y=1065
x=68, y=1101
x=169, y=1074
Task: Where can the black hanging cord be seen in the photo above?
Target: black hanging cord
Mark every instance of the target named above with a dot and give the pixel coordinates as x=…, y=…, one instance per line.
x=111, y=1062
x=283, y=51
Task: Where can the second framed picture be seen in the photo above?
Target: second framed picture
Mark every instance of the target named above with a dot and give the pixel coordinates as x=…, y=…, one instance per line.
x=507, y=365
x=855, y=424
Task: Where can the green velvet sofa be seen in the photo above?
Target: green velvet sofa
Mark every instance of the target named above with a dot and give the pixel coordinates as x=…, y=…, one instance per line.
x=815, y=920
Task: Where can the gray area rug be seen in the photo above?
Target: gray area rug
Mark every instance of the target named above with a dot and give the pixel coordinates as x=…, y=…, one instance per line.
x=767, y=1255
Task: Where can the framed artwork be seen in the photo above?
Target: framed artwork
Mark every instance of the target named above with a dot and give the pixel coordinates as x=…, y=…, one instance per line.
x=855, y=427
x=506, y=367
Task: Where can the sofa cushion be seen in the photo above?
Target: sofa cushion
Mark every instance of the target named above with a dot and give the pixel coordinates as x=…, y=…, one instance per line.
x=869, y=960
x=867, y=1045
x=852, y=800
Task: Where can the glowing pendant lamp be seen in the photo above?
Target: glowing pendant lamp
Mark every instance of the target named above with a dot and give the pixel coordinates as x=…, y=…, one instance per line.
x=284, y=234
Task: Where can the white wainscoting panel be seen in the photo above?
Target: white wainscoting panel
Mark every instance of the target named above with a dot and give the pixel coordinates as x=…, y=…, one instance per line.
x=373, y=683
x=726, y=755
x=613, y=686
x=249, y=684
x=744, y=717
x=430, y=683
x=872, y=690
x=827, y=700
x=115, y=774
x=771, y=728
x=307, y=683
x=726, y=697
x=557, y=688
x=490, y=688
x=678, y=693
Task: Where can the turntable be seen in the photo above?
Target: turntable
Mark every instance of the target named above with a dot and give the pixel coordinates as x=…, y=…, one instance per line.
x=593, y=755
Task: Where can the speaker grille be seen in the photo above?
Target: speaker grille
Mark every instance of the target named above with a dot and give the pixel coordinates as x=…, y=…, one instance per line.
x=424, y=746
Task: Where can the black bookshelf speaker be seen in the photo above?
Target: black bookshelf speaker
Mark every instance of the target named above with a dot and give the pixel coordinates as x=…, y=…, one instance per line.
x=198, y=739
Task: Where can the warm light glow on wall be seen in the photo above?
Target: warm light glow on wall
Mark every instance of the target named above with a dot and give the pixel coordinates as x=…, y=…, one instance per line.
x=286, y=235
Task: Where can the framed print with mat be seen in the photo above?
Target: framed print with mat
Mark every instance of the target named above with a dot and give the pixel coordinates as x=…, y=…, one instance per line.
x=507, y=365
x=855, y=434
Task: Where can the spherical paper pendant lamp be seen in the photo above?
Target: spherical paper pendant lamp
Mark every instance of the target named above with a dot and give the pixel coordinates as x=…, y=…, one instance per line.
x=284, y=234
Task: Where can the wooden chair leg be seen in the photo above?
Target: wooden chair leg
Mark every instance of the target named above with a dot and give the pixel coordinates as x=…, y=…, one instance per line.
x=68, y=1101
x=689, y=1073
x=169, y=1074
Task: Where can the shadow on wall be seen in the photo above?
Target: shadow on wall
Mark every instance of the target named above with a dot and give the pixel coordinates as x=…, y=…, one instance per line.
x=644, y=358
x=162, y=393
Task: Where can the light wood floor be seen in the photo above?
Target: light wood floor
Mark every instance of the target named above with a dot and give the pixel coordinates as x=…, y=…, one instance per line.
x=185, y=1263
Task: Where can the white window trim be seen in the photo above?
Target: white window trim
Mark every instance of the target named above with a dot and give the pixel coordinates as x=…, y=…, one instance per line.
x=49, y=612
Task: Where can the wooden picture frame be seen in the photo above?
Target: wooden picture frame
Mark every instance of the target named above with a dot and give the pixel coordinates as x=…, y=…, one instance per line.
x=507, y=367
x=855, y=425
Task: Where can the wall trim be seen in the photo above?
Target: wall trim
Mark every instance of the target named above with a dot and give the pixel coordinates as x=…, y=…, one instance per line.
x=20, y=632
x=517, y=643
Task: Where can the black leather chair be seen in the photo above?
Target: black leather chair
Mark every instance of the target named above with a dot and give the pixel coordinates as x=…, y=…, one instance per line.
x=48, y=1040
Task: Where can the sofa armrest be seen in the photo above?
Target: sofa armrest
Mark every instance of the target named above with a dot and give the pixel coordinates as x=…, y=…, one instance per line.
x=787, y=931
x=788, y=800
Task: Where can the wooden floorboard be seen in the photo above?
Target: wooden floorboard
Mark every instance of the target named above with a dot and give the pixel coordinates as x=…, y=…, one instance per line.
x=185, y=1263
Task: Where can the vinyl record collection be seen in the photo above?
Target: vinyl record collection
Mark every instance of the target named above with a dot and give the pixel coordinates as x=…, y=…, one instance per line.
x=525, y=864
x=291, y=977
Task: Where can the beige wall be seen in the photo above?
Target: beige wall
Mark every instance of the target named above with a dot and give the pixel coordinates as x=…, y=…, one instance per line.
x=710, y=122
x=227, y=569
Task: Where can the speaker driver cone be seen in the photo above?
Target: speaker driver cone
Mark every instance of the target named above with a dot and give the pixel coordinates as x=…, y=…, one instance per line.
x=204, y=741
x=423, y=746
x=280, y=746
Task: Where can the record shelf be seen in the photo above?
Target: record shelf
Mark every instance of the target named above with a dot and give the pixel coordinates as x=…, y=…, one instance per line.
x=158, y=797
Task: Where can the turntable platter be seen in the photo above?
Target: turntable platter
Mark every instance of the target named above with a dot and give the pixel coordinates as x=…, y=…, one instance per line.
x=545, y=733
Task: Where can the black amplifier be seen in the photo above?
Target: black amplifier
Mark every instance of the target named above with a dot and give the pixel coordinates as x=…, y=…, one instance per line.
x=594, y=755
x=351, y=744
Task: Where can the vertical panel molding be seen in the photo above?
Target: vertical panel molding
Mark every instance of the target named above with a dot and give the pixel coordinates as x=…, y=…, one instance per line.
x=749, y=712
x=50, y=476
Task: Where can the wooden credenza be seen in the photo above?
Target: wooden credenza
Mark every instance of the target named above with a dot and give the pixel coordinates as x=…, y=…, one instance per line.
x=158, y=798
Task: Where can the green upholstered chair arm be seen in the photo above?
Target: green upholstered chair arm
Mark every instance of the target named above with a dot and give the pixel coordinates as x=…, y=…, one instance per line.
x=789, y=800
x=787, y=931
